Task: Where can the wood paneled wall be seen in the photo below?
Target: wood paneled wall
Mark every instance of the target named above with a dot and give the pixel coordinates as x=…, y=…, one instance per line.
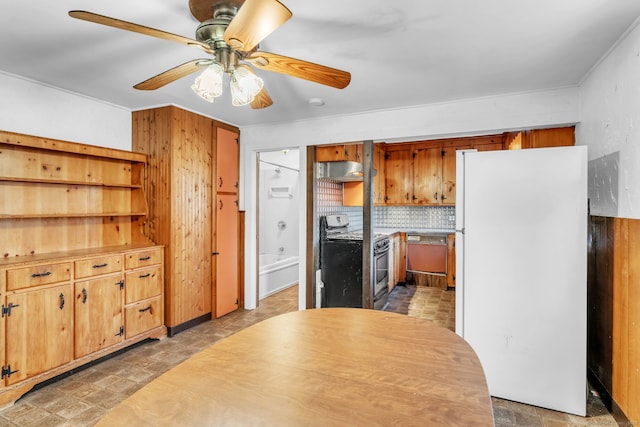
x=179, y=190
x=614, y=311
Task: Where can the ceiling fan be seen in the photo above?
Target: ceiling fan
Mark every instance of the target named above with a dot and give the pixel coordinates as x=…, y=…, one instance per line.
x=230, y=32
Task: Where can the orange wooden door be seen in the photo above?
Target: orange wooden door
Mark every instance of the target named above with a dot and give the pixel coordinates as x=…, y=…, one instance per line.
x=227, y=161
x=227, y=254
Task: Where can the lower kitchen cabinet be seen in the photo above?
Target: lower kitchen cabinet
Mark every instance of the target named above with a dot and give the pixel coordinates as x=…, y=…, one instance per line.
x=58, y=314
x=398, y=242
x=98, y=314
x=39, y=331
x=143, y=316
x=451, y=260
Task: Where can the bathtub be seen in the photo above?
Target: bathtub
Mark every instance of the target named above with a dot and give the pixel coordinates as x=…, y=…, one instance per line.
x=277, y=272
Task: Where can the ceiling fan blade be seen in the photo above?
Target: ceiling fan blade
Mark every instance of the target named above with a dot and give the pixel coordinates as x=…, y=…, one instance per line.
x=255, y=20
x=262, y=99
x=172, y=75
x=301, y=69
x=129, y=26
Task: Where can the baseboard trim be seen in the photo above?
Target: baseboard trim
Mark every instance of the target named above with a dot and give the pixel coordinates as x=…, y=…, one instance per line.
x=615, y=410
x=174, y=330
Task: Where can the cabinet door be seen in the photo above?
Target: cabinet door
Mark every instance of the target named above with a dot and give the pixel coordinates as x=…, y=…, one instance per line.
x=392, y=264
x=98, y=314
x=448, y=193
x=556, y=137
x=451, y=260
x=39, y=331
x=330, y=153
x=226, y=296
x=401, y=258
x=489, y=147
x=227, y=165
x=379, y=178
x=398, y=177
x=353, y=152
x=427, y=175
x=143, y=316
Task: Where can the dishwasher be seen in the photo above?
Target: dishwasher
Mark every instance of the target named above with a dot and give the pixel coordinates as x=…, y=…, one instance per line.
x=427, y=253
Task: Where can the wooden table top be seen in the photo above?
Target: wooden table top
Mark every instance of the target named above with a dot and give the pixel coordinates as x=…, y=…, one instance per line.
x=322, y=367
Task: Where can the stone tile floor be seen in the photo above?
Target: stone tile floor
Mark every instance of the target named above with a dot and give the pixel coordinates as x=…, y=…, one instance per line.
x=82, y=398
x=438, y=305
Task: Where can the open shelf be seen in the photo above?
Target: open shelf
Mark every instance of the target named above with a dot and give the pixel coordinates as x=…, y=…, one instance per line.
x=75, y=215
x=63, y=196
x=64, y=182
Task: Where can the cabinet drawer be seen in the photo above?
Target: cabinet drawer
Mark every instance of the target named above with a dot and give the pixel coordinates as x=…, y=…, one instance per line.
x=38, y=275
x=143, y=258
x=143, y=316
x=142, y=284
x=96, y=266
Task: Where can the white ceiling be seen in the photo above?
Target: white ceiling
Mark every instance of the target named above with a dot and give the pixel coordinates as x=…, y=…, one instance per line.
x=399, y=52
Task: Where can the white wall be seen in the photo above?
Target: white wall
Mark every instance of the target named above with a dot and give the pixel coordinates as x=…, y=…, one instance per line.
x=610, y=127
x=33, y=108
x=466, y=117
x=276, y=207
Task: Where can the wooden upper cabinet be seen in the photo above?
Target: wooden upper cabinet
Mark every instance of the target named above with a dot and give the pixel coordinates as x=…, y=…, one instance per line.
x=556, y=137
x=427, y=176
x=398, y=177
x=541, y=138
x=379, y=178
x=227, y=155
x=491, y=146
x=422, y=174
x=339, y=152
x=448, y=196
x=353, y=152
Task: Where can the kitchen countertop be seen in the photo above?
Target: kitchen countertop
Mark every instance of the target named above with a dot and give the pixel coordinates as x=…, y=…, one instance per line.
x=436, y=231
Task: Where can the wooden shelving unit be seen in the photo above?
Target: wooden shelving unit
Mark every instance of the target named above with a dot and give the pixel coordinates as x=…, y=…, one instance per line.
x=80, y=277
x=57, y=195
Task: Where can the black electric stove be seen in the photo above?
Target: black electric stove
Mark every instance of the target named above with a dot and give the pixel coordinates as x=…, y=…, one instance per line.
x=341, y=264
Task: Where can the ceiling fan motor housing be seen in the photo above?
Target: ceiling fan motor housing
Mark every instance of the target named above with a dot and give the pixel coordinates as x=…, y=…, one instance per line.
x=212, y=31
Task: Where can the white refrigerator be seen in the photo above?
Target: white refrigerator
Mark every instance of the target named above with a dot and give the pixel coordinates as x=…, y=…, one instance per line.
x=521, y=272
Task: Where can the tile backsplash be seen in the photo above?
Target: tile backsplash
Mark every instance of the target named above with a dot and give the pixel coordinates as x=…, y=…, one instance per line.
x=437, y=217
x=330, y=203
x=434, y=217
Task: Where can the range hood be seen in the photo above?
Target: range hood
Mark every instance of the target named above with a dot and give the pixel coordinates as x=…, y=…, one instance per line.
x=343, y=171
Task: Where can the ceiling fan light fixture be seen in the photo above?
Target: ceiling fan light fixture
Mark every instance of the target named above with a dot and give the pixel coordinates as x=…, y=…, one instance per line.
x=208, y=85
x=244, y=86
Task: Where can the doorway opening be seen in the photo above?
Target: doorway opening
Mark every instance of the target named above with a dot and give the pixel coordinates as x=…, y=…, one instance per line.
x=278, y=221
